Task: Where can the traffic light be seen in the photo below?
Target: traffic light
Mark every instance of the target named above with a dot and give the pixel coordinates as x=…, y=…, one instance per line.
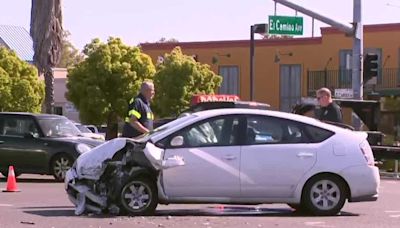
x=370, y=66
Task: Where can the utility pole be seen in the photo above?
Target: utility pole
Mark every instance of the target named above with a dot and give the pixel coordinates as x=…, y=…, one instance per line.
x=259, y=29
x=252, y=62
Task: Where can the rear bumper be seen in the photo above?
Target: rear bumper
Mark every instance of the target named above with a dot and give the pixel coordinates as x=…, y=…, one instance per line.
x=363, y=182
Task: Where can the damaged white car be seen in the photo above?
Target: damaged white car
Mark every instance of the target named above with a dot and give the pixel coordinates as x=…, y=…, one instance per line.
x=229, y=156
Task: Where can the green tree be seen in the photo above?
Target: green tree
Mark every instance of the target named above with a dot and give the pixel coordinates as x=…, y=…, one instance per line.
x=21, y=90
x=70, y=56
x=103, y=83
x=178, y=78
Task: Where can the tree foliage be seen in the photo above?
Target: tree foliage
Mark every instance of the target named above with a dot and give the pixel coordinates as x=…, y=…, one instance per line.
x=21, y=90
x=70, y=56
x=103, y=83
x=178, y=78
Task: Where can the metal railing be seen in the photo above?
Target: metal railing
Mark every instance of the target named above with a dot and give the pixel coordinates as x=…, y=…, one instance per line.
x=388, y=78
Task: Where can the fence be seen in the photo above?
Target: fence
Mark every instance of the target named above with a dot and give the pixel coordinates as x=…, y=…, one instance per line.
x=388, y=78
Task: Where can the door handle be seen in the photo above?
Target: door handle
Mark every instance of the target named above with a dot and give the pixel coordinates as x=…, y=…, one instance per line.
x=1, y=142
x=305, y=154
x=229, y=157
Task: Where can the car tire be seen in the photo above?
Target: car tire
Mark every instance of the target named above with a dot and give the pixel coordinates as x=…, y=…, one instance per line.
x=59, y=166
x=5, y=173
x=324, y=195
x=139, y=197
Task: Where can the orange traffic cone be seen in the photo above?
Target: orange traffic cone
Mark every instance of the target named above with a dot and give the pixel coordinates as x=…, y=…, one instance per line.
x=11, y=181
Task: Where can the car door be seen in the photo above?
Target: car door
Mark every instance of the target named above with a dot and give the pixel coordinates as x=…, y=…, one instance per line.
x=275, y=156
x=21, y=145
x=212, y=158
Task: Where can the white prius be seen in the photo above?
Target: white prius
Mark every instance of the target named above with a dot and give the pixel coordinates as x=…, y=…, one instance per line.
x=228, y=156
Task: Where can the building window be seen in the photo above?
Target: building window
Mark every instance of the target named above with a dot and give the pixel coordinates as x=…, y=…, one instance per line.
x=230, y=80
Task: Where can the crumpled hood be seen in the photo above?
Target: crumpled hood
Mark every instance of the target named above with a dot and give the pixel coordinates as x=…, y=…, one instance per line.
x=89, y=164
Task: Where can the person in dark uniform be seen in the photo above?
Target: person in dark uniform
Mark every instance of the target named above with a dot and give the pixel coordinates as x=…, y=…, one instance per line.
x=329, y=110
x=139, y=119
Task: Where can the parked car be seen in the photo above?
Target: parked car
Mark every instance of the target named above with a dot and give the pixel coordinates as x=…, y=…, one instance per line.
x=228, y=156
x=86, y=132
x=40, y=144
x=92, y=128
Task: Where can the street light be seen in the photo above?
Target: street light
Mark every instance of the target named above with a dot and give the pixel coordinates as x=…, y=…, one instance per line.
x=260, y=29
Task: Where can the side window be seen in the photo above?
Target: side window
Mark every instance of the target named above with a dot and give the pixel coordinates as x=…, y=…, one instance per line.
x=271, y=130
x=19, y=127
x=213, y=132
x=318, y=134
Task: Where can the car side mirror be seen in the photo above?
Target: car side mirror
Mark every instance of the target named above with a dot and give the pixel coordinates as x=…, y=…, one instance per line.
x=177, y=141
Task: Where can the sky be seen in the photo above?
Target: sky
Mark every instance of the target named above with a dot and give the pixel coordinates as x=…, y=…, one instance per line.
x=139, y=21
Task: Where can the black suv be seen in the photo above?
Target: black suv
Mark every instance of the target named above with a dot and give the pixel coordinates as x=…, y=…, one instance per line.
x=40, y=144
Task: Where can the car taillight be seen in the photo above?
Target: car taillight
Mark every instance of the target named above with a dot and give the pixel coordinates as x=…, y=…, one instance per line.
x=367, y=152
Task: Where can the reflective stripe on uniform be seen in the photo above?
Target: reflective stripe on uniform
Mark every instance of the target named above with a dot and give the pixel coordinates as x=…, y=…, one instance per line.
x=134, y=113
x=150, y=116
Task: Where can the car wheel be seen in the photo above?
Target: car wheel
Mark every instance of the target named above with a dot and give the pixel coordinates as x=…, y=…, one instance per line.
x=139, y=197
x=5, y=173
x=324, y=195
x=60, y=165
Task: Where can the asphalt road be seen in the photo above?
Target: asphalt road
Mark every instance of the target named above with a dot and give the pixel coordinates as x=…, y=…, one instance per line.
x=43, y=203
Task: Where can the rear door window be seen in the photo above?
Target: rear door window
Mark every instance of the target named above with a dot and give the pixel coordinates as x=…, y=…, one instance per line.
x=317, y=134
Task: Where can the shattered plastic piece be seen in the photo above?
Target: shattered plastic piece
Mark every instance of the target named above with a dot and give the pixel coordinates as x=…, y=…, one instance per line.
x=80, y=204
x=114, y=209
x=173, y=162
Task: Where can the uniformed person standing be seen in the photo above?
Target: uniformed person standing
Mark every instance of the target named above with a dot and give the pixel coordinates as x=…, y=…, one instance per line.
x=329, y=110
x=139, y=119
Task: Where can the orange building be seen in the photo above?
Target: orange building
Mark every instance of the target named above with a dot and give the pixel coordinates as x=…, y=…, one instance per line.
x=287, y=69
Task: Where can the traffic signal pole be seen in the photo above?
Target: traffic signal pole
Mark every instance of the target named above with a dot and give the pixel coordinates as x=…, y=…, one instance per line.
x=357, y=58
x=355, y=31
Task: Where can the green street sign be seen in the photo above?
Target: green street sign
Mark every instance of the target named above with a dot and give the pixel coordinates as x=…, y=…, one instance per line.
x=283, y=25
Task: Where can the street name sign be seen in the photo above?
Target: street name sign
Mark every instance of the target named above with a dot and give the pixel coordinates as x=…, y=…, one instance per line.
x=285, y=25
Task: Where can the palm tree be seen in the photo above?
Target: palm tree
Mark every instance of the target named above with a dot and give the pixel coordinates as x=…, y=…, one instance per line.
x=47, y=33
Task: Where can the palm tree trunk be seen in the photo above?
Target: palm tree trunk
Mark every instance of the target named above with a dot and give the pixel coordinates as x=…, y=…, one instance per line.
x=49, y=90
x=46, y=31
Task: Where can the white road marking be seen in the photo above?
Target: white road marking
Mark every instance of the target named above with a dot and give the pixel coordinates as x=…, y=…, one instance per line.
x=317, y=224
x=393, y=212
x=5, y=205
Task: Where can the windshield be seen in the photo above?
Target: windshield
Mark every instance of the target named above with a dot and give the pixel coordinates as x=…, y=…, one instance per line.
x=58, y=127
x=83, y=128
x=179, y=121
